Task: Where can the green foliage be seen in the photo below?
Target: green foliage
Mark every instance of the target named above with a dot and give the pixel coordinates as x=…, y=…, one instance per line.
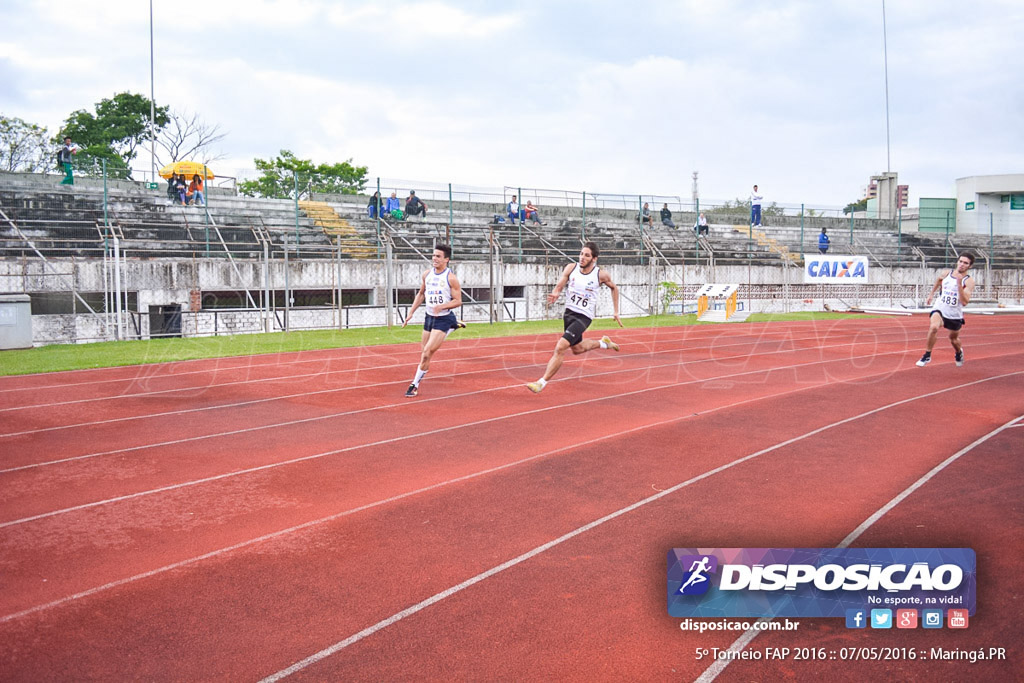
x=114, y=132
x=856, y=206
x=741, y=207
x=277, y=180
x=669, y=291
x=24, y=147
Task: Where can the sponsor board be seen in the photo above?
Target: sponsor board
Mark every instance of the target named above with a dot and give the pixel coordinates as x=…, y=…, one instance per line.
x=839, y=270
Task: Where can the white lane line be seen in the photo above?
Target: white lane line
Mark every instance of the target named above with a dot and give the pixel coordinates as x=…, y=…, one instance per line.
x=348, y=449
x=567, y=377
x=467, y=477
x=359, y=351
x=447, y=359
x=328, y=391
x=719, y=665
x=438, y=597
x=402, y=356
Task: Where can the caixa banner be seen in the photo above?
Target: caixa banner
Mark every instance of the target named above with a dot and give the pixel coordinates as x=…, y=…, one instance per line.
x=836, y=270
x=816, y=582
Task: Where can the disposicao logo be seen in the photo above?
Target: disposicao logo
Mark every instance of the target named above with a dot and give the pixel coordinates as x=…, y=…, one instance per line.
x=695, y=579
x=823, y=582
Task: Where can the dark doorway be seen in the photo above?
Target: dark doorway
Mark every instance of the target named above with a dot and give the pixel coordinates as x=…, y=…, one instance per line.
x=165, y=321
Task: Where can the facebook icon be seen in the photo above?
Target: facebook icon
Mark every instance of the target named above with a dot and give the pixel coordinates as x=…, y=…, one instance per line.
x=856, y=618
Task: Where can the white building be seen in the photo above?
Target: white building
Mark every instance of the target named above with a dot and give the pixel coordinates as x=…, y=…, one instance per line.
x=990, y=203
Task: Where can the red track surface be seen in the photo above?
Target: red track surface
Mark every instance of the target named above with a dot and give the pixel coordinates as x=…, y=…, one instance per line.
x=229, y=519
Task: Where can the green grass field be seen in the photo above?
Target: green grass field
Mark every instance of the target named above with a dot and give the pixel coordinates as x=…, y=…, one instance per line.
x=108, y=354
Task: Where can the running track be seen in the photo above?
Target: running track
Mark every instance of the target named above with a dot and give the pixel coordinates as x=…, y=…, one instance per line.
x=293, y=516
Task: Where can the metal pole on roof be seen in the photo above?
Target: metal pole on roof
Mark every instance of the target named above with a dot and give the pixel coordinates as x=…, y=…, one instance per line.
x=696, y=234
x=899, y=232
x=583, y=232
x=451, y=214
x=946, y=257
x=640, y=209
x=991, y=255
x=295, y=182
x=801, y=231
x=519, y=220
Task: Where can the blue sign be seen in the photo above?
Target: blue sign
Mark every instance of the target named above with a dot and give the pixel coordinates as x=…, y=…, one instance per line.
x=819, y=582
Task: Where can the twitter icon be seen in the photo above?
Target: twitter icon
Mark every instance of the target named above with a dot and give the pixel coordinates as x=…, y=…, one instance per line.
x=881, y=618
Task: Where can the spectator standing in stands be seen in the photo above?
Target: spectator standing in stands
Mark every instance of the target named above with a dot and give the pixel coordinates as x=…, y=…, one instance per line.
x=514, y=212
x=584, y=280
x=531, y=213
x=645, y=215
x=755, y=208
x=64, y=157
x=413, y=206
x=701, y=226
x=666, y=216
x=195, y=188
x=441, y=291
x=823, y=242
x=392, y=205
x=374, y=207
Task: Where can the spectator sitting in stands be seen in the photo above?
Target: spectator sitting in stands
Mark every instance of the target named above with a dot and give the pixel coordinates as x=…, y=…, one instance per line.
x=514, y=211
x=182, y=189
x=195, y=189
x=666, y=216
x=172, y=187
x=373, y=209
x=645, y=215
x=413, y=206
x=701, y=226
x=391, y=205
x=531, y=213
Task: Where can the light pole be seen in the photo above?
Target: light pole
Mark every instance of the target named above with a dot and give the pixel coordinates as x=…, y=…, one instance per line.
x=152, y=101
x=885, y=54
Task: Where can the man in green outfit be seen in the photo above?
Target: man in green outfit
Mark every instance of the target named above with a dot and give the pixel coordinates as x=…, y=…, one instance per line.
x=64, y=157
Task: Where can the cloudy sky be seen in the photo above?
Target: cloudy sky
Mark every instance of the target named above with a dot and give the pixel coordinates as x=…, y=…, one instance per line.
x=600, y=96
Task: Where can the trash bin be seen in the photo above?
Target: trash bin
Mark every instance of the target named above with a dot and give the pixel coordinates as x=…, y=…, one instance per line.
x=15, y=321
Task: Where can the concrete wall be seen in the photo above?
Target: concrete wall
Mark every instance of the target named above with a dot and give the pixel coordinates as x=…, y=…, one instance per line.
x=160, y=282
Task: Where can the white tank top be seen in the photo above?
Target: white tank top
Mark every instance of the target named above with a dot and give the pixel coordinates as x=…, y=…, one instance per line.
x=438, y=291
x=948, y=303
x=581, y=294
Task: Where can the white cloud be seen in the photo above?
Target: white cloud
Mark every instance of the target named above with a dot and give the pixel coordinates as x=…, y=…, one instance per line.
x=422, y=20
x=787, y=94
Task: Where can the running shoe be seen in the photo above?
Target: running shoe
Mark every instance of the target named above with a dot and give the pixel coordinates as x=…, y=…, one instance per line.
x=535, y=387
x=609, y=343
x=925, y=360
x=960, y=358
x=412, y=391
x=459, y=325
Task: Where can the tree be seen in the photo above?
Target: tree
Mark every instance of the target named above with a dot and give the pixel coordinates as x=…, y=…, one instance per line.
x=277, y=178
x=114, y=132
x=856, y=206
x=24, y=147
x=185, y=136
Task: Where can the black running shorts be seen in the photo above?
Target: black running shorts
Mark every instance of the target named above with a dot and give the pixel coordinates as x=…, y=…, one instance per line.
x=953, y=324
x=575, y=325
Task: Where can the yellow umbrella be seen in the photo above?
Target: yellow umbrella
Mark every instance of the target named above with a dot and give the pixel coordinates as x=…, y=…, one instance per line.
x=187, y=169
